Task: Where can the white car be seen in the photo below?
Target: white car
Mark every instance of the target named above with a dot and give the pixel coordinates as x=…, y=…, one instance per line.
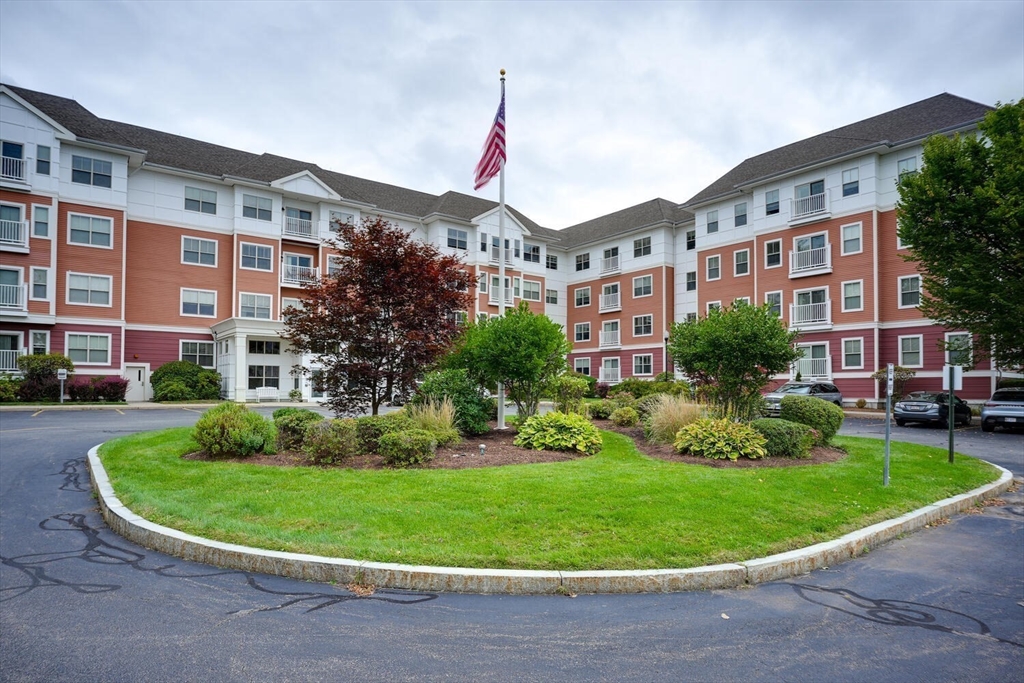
x=1004, y=409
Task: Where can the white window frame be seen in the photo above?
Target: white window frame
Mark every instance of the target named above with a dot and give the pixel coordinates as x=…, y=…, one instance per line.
x=181, y=302
x=768, y=266
x=708, y=222
x=241, y=247
x=842, y=343
x=779, y=292
x=970, y=348
x=538, y=286
x=457, y=235
x=650, y=357
x=899, y=291
x=842, y=293
x=259, y=200
x=640, y=279
x=549, y=299
x=899, y=162
x=67, y=289
x=530, y=251
x=203, y=193
x=32, y=333
x=860, y=239
x=687, y=281
x=707, y=268
x=49, y=222
x=920, y=350
x=551, y=261
x=256, y=306
x=213, y=353
x=577, y=363
x=736, y=214
x=293, y=301
x=32, y=283
x=576, y=297
x=736, y=262
x=582, y=262
x=216, y=247
x=639, y=317
x=581, y=332
x=67, y=347
x=741, y=299
x=91, y=217
x=849, y=177
x=778, y=204
x=92, y=171
x=712, y=305
x=643, y=245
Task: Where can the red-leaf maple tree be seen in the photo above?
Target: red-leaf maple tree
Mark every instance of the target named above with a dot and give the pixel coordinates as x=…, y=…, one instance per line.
x=387, y=312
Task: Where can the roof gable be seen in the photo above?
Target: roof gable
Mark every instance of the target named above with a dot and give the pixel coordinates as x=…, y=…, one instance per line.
x=304, y=182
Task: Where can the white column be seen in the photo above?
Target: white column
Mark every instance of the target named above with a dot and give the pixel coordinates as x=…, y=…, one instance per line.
x=241, y=368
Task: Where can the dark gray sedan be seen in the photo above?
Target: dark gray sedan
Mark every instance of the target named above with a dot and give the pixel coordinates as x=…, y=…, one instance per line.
x=930, y=406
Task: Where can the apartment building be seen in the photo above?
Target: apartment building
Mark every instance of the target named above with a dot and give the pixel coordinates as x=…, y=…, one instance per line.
x=126, y=248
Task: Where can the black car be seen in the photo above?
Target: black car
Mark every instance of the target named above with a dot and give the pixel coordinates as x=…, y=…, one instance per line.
x=930, y=406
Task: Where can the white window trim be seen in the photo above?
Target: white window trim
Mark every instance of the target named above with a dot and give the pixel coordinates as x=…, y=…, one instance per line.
x=842, y=343
x=576, y=330
x=707, y=267
x=575, y=297
x=181, y=351
x=642, y=355
x=643, y=296
x=810, y=235
x=766, y=266
x=782, y=302
x=89, y=215
x=32, y=280
x=540, y=290
x=576, y=364
x=256, y=218
x=708, y=305
x=216, y=252
x=256, y=244
x=842, y=296
x=181, y=302
x=650, y=246
x=269, y=296
x=920, y=347
x=735, y=263
x=899, y=291
x=110, y=351
x=67, y=289
x=28, y=344
x=842, y=239
x=49, y=223
x=962, y=333
x=643, y=315
x=744, y=299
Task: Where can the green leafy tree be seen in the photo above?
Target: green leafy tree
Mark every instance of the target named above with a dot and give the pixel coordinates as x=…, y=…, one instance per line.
x=522, y=350
x=733, y=353
x=962, y=217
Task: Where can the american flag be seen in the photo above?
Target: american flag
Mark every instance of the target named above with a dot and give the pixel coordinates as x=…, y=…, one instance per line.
x=493, y=157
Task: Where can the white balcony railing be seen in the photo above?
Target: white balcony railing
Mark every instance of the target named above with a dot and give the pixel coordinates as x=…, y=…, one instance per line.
x=298, y=275
x=808, y=206
x=493, y=297
x=816, y=368
x=819, y=258
x=12, y=168
x=609, y=338
x=496, y=252
x=14, y=233
x=13, y=297
x=299, y=227
x=610, y=265
x=609, y=375
x=610, y=302
x=810, y=314
x=9, y=360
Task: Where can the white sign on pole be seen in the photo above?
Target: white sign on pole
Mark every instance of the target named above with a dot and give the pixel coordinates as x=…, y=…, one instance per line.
x=889, y=372
x=62, y=374
x=958, y=378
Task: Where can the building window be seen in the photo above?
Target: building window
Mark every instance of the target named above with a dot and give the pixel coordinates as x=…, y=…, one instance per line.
x=691, y=240
x=771, y=202
x=851, y=182
x=40, y=343
x=741, y=300
x=691, y=317
x=853, y=356
x=90, y=230
x=41, y=221
x=714, y=306
x=265, y=348
x=257, y=256
x=203, y=201
x=198, y=251
x=774, y=301
x=264, y=376
x=643, y=325
x=852, y=300
x=583, y=262
x=531, y=253
x=740, y=211
x=582, y=297
x=200, y=353
x=551, y=296
x=89, y=171
x=340, y=218
x=910, y=352
x=851, y=239
x=254, y=306
x=91, y=349
x=642, y=247
x=643, y=364
x=89, y=290
x=582, y=332
x=582, y=366
x=643, y=286
x=741, y=265
x=910, y=291
x=714, y=267
x=958, y=349
x=40, y=284
x=42, y=160
x=712, y=221
x=290, y=302
x=13, y=155
x=906, y=166
x=773, y=254
x=199, y=302
x=531, y=290
x=458, y=239
x=259, y=208
x=551, y=262
x=691, y=281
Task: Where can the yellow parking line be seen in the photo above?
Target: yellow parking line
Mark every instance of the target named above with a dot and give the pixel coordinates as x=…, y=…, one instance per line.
x=119, y=411
x=36, y=413
x=25, y=429
x=192, y=410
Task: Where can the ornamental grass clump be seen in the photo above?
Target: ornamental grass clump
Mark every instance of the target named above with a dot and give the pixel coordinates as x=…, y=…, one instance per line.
x=720, y=439
x=438, y=418
x=667, y=416
x=822, y=416
x=230, y=430
x=329, y=442
x=785, y=439
x=559, y=432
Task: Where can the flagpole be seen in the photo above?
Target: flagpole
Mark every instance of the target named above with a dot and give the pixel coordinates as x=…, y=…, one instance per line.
x=501, y=262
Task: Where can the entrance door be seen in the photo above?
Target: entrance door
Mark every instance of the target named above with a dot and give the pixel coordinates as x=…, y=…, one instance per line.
x=138, y=383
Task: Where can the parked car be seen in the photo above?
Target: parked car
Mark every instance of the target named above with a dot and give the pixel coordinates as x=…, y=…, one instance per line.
x=823, y=390
x=930, y=406
x=1004, y=409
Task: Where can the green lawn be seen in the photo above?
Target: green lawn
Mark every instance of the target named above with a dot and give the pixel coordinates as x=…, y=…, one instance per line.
x=616, y=510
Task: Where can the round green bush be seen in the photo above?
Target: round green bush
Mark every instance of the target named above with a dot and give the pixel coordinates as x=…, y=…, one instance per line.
x=173, y=390
x=720, y=439
x=559, y=432
x=445, y=437
x=328, y=442
x=370, y=428
x=569, y=391
x=602, y=410
x=231, y=430
x=292, y=426
x=625, y=417
x=407, y=447
x=471, y=409
x=822, y=416
x=785, y=439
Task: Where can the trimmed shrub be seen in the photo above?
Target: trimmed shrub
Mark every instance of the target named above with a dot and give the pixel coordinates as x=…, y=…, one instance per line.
x=111, y=388
x=328, y=442
x=720, y=439
x=370, y=428
x=820, y=415
x=173, y=390
x=44, y=366
x=667, y=416
x=471, y=409
x=291, y=427
x=861, y=402
x=281, y=412
x=623, y=399
x=602, y=409
x=601, y=389
x=625, y=417
x=9, y=388
x=200, y=384
x=82, y=389
x=785, y=439
x=570, y=390
x=1010, y=383
x=40, y=389
x=407, y=447
x=232, y=430
x=207, y=386
x=559, y=432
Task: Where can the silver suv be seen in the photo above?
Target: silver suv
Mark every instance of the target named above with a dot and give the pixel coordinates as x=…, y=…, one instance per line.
x=823, y=390
x=1004, y=409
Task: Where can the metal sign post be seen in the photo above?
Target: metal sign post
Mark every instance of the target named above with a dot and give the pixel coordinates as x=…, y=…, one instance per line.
x=952, y=378
x=888, y=420
x=62, y=375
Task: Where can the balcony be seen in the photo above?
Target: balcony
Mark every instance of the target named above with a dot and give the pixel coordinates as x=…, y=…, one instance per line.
x=14, y=234
x=609, y=339
x=810, y=261
x=817, y=315
x=813, y=368
x=14, y=299
x=298, y=275
x=9, y=360
x=812, y=206
x=12, y=168
x=610, y=265
x=610, y=302
x=300, y=227
x=609, y=376
x=493, y=297
x=496, y=253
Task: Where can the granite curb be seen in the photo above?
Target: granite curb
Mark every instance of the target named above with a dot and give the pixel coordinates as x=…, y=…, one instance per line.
x=511, y=581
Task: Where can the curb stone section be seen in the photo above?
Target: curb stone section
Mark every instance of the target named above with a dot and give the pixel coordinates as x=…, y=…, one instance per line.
x=126, y=523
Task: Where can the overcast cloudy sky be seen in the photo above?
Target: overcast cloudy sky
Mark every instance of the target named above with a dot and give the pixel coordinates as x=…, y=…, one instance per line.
x=609, y=104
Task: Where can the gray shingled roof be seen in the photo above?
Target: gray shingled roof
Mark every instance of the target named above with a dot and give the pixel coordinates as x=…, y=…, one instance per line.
x=916, y=121
x=635, y=217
